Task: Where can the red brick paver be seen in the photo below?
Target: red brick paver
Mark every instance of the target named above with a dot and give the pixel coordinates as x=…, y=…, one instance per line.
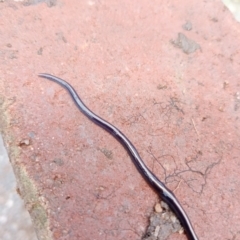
x=165, y=72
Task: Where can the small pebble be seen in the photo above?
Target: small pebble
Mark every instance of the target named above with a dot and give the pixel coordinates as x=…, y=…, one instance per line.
x=181, y=231
x=158, y=208
x=156, y=231
x=24, y=142
x=173, y=218
x=164, y=205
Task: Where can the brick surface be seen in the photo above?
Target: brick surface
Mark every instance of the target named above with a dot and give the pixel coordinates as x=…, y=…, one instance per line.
x=165, y=73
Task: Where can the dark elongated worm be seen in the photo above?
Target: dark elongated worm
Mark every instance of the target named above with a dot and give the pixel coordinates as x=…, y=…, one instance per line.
x=164, y=193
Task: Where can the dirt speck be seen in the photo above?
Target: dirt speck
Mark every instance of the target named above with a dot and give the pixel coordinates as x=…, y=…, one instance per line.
x=187, y=26
x=39, y=52
x=58, y=161
x=107, y=153
x=187, y=45
x=50, y=3
x=237, y=101
x=161, y=86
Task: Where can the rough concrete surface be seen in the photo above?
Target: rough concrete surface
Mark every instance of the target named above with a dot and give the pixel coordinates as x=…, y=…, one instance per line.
x=166, y=73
